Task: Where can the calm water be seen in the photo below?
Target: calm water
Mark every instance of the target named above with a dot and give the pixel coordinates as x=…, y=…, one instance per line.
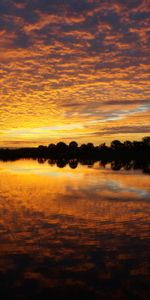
x=79, y=233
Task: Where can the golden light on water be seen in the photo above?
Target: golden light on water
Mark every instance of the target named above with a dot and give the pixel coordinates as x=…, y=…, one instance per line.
x=67, y=192
x=60, y=225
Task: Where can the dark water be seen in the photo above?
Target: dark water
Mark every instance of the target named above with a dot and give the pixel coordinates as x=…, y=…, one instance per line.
x=79, y=233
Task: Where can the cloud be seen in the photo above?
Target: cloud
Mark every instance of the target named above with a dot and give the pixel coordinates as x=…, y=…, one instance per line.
x=123, y=129
x=63, y=63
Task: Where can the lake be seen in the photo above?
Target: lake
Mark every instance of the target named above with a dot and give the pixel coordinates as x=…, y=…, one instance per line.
x=81, y=233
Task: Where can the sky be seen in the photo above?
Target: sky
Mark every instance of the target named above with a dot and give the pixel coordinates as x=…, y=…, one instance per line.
x=74, y=70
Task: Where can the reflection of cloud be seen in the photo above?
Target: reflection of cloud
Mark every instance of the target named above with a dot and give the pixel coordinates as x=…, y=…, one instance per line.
x=98, y=180
x=121, y=188
x=68, y=226
x=73, y=60
x=93, y=200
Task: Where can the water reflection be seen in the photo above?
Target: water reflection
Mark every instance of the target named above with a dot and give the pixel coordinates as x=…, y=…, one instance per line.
x=70, y=233
x=116, y=165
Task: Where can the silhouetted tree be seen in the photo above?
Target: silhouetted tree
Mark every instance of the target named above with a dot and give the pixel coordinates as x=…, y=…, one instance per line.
x=42, y=148
x=51, y=147
x=42, y=151
x=90, y=146
x=61, y=148
x=127, y=145
x=102, y=146
x=73, y=145
x=116, y=145
x=73, y=149
x=146, y=141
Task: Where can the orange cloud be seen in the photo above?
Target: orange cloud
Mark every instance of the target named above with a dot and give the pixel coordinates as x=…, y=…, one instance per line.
x=84, y=69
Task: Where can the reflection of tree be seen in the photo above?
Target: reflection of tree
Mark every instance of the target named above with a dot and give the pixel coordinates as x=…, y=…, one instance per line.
x=87, y=162
x=103, y=164
x=51, y=162
x=128, y=165
x=61, y=163
x=146, y=169
x=41, y=160
x=116, y=165
x=73, y=163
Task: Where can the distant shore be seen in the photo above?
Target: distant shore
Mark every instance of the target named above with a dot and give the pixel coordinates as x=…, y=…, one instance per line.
x=126, y=151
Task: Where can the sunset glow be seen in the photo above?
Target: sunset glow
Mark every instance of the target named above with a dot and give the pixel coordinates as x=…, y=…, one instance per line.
x=73, y=70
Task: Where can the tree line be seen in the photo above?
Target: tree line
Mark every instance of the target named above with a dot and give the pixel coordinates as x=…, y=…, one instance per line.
x=128, y=150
